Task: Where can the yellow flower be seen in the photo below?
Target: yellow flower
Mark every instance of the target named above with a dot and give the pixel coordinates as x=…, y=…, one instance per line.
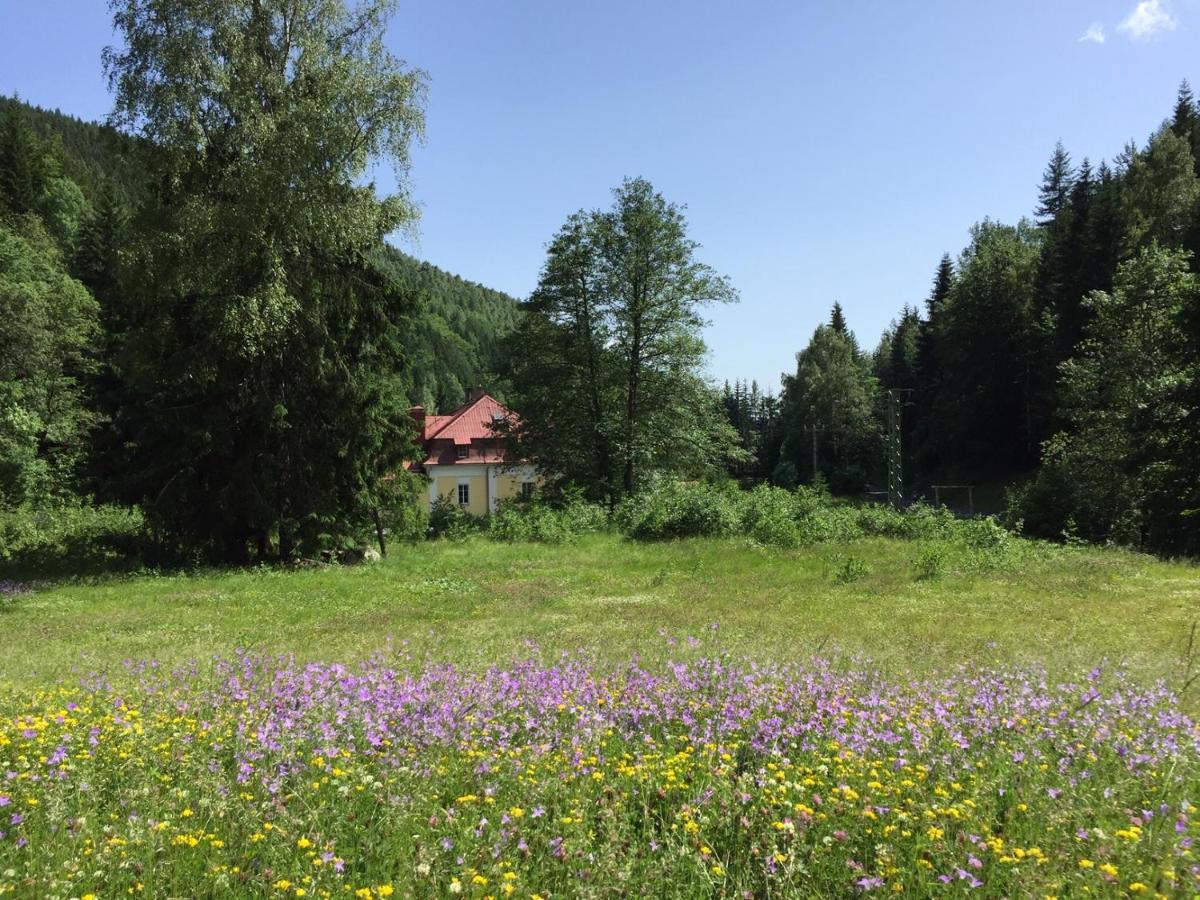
x=186, y=813
x=718, y=871
x=934, y=833
x=304, y=843
x=384, y=890
x=1138, y=888
x=1086, y=864
x=282, y=884
x=1109, y=869
x=516, y=812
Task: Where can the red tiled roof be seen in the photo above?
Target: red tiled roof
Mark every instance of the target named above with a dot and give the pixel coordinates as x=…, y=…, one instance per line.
x=469, y=426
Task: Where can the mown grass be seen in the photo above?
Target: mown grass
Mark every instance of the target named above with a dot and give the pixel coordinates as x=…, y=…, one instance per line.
x=478, y=602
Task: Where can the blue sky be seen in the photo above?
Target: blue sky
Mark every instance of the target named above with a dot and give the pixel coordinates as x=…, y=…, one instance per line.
x=825, y=151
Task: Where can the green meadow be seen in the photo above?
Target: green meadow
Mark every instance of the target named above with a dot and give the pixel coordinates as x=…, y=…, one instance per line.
x=478, y=602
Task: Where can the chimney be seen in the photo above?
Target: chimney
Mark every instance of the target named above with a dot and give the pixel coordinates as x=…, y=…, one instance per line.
x=417, y=414
x=474, y=394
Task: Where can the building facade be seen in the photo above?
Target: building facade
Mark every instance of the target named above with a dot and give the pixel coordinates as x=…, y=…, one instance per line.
x=466, y=460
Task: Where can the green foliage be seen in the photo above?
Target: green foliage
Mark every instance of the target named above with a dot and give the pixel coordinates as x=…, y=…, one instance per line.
x=260, y=370
x=833, y=391
x=755, y=417
x=775, y=516
x=48, y=336
x=450, y=521
x=70, y=539
x=675, y=509
x=931, y=560
x=850, y=569
x=541, y=522
x=605, y=363
x=989, y=342
x=1123, y=470
x=451, y=338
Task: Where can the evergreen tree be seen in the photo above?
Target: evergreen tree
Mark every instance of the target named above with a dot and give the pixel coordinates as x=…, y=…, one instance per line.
x=1123, y=470
x=263, y=363
x=26, y=166
x=1185, y=122
x=927, y=440
x=1056, y=185
x=990, y=338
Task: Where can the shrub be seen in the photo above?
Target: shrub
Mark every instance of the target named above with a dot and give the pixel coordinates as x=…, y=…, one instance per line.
x=771, y=517
x=674, y=509
x=931, y=561
x=449, y=520
x=547, y=523
x=851, y=569
x=72, y=539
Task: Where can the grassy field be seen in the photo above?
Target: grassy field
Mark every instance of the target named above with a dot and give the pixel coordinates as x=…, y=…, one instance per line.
x=478, y=602
x=610, y=718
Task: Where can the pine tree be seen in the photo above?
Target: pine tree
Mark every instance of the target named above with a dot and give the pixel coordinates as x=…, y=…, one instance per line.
x=926, y=438
x=26, y=166
x=837, y=320
x=1185, y=121
x=1056, y=186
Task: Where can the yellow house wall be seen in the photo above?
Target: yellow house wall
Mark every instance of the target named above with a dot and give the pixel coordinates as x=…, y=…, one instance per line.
x=508, y=486
x=447, y=486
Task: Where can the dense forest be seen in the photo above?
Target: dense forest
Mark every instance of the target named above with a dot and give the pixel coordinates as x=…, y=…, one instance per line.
x=1059, y=356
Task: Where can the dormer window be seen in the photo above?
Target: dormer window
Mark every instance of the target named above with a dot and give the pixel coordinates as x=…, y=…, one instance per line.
x=462, y=450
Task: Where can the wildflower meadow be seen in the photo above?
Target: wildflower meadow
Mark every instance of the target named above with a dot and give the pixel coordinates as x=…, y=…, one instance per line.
x=712, y=775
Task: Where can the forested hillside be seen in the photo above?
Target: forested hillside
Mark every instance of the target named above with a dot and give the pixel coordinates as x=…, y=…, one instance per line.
x=453, y=336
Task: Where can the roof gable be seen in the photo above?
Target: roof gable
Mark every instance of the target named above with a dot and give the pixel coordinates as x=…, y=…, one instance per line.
x=473, y=422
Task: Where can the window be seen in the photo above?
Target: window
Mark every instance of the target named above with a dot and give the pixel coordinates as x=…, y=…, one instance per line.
x=462, y=450
x=526, y=490
x=464, y=495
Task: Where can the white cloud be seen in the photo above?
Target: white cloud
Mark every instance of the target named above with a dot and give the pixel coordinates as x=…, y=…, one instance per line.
x=1149, y=19
x=1093, y=35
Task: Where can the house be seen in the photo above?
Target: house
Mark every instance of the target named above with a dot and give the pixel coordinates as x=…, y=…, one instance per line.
x=466, y=460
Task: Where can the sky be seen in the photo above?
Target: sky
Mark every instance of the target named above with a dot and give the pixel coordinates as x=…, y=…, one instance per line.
x=824, y=151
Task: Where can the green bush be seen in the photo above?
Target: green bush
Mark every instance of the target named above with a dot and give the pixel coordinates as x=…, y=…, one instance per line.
x=449, y=520
x=674, y=509
x=72, y=540
x=931, y=561
x=850, y=570
x=547, y=523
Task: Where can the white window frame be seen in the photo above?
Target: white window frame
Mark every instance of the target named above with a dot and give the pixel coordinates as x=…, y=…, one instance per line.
x=527, y=489
x=464, y=493
x=462, y=451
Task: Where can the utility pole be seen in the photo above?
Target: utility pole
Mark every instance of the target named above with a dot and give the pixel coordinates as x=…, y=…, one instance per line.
x=814, y=430
x=897, y=397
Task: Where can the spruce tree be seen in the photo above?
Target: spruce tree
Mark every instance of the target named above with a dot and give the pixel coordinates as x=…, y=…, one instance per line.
x=1185, y=121
x=1055, y=188
x=26, y=166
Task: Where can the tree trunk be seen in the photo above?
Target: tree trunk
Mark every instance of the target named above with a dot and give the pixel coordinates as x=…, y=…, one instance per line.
x=379, y=531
